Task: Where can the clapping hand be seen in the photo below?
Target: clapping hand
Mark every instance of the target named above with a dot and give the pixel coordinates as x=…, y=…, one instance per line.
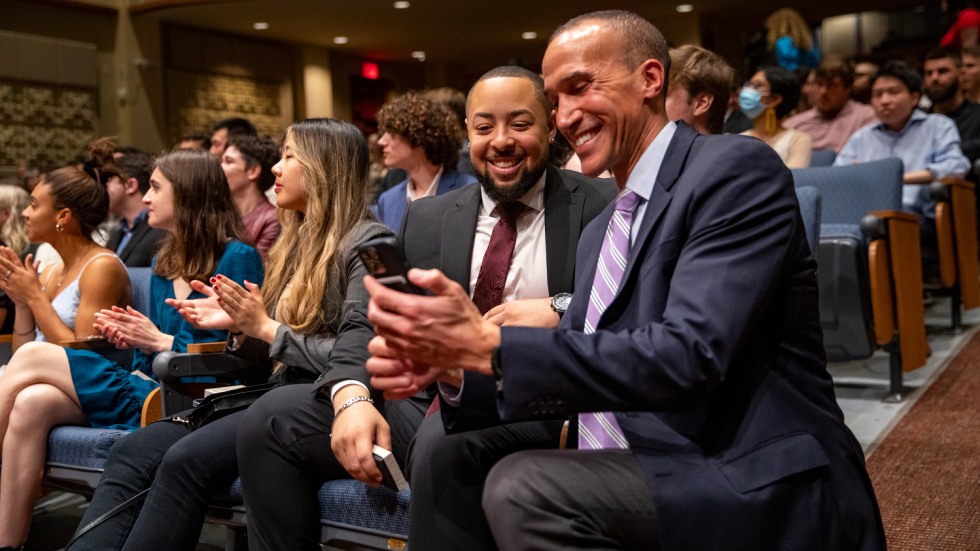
x=244, y=305
x=128, y=328
x=204, y=313
x=18, y=279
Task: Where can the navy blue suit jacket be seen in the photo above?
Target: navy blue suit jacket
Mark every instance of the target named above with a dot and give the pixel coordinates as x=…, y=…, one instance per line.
x=711, y=355
x=391, y=204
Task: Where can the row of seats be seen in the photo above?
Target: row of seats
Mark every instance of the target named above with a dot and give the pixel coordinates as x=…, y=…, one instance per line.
x=869, y=262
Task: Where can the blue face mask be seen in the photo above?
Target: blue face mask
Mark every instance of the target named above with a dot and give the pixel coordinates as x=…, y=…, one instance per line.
x=750, y=102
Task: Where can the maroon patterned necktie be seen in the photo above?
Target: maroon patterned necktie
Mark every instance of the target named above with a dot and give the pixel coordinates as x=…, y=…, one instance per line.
x=489, y=290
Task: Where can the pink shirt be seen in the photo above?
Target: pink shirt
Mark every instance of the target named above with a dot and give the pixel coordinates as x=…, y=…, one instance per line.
x=262, y=227
x=832, y=133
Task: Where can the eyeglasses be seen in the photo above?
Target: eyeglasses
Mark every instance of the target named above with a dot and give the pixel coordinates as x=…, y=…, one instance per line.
x=761, y=87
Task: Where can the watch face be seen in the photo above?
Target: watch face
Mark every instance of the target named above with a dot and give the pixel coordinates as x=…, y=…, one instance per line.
x=562, y=301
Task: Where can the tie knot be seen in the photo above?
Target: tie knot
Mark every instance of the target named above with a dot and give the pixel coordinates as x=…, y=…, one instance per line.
x=627, y=201
x=510, y=210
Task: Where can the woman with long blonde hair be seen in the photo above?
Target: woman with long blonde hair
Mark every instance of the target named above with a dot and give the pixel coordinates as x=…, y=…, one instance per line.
x=308, y=320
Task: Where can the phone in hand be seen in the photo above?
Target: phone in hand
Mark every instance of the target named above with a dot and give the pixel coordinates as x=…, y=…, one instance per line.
x=384, y=259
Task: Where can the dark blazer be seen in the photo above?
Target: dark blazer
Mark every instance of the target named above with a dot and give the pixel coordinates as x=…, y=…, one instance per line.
x=438, y=232
x=711, y=355
x=391, y=205
x=340, y=351
x=142, y=245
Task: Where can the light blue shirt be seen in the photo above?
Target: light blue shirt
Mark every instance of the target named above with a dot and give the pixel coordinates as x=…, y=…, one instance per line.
x=929, y=142
x=644, y=174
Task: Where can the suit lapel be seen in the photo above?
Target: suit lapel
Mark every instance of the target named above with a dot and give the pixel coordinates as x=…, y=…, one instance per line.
x=670, y=170
x=458, y=231
x=562, y=216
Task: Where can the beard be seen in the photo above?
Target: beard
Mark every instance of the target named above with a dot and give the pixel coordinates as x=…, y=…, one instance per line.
x=498, y=194
x=939, y=94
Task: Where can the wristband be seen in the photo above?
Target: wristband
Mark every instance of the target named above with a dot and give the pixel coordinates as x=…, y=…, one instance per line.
x=351, y=402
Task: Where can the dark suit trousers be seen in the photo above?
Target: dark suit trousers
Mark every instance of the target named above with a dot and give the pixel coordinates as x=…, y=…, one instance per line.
x=284, y=457
x=447, y=472
x=547, y=500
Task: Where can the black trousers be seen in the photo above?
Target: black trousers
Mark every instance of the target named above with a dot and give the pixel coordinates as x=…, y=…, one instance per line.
x=569, y=499
x=184, y=469
x=447, y=473
x=284, y=457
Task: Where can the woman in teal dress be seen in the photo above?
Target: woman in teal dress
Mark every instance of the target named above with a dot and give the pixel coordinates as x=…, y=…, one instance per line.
x=46, y=385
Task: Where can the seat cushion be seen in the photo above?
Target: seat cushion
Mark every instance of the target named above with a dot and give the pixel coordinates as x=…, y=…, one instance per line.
x=355, y=503
x=82, y=446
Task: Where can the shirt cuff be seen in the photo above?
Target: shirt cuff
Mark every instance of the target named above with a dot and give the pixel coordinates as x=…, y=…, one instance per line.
x=451, y=395
x=335, y=388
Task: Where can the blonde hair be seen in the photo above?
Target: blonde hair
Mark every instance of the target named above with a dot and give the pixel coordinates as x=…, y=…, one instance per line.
x=309, y=254
x=789, y=22
x=12, y=233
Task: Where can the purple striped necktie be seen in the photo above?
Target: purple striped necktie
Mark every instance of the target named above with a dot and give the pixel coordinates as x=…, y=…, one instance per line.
x=600, y=430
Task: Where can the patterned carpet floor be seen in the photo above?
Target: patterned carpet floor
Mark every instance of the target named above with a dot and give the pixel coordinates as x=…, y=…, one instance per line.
x=926, y=472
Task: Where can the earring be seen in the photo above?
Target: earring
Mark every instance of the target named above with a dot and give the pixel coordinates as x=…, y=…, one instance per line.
x=771, y=120
x=59, y=228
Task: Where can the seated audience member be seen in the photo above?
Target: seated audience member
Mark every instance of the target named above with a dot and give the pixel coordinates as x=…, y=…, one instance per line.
x=790, y=40
x=702, y=422
x=941, y=86
x=808, y=88
x=194, y=140
x=929, y=145
x=308, y=320
x=963, y=33
x=698, y=87
x=771, y=95
x=13, y=201
x=420, y=136
x=133, y=239
x=247, y=162
x=62, y=304
x=509, y=115
x=456, y=102
x=861, y=87
x=834, y=116
x=223, y=130
x=735, y=120
x=970, y=73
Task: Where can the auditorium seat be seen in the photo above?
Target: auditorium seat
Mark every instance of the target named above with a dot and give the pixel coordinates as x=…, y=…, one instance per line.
x=956, y=236
x=869, y=267
x=822, y=157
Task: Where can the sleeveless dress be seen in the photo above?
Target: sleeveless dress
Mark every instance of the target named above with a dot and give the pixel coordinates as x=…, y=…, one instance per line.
x=112, y=395
x=65, y=303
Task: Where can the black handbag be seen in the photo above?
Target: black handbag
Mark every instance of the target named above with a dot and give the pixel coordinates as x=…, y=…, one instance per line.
x=214, y=407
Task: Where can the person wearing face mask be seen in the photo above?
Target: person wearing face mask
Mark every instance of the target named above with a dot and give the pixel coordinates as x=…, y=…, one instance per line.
x=768, y=99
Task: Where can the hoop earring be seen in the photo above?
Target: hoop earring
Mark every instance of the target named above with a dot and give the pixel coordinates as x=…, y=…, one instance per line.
x=771, y=121
x=59, y=228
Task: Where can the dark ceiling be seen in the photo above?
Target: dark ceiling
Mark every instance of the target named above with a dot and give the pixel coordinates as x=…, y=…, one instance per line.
x=451, y=32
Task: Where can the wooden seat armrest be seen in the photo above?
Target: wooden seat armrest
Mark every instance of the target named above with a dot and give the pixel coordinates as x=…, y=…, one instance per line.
x=7, y=338
x=957, y=182
x=905, y=254
x=92, y=343
x=206, y=347
x=895, y=215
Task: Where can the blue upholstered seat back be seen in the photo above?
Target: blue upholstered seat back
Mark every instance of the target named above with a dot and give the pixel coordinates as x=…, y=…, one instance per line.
x=822, y=157
x=810, y=203
x=139, y=279
x=849, y=192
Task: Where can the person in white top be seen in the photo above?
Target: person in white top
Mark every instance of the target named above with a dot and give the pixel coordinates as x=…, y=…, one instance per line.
x=768, y=98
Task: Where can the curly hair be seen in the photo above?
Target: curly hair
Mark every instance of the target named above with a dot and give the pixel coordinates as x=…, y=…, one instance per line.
x=423, y=123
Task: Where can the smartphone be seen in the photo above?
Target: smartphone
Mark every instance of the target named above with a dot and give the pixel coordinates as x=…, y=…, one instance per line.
x=384, y=259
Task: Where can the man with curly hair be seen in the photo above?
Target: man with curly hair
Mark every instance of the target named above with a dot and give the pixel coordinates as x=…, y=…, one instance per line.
x=420, y=136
